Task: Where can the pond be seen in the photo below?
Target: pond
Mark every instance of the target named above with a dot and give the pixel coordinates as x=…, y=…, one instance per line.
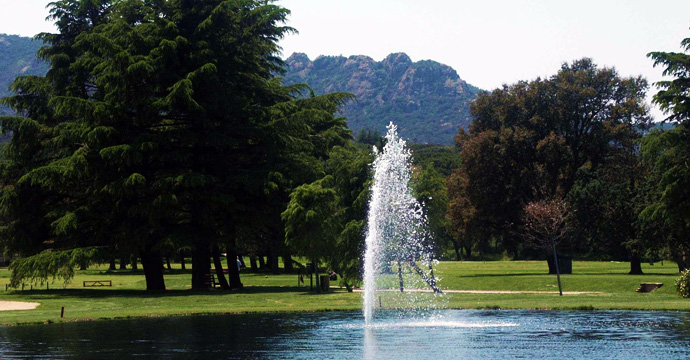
x=342, y=335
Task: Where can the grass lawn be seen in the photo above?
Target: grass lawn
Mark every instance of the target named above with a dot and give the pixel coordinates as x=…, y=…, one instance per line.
x=612, y=287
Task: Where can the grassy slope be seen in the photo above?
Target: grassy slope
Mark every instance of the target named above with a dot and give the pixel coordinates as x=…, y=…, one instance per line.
x=278, y=293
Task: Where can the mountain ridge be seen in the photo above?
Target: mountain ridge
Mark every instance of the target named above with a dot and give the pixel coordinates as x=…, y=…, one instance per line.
x=18, y=57
x=427, y=100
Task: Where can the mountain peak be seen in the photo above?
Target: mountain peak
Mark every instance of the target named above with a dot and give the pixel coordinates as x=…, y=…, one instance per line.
x=426, y=99
x=397, y=58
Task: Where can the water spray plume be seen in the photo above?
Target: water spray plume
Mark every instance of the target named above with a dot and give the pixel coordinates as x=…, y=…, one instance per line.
x=398, y=245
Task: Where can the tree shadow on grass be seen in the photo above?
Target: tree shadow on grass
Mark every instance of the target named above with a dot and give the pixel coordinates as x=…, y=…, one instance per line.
x=105, y=293
x=574, y=274
x=138, y=272
x=503, y=275
x=624, y=274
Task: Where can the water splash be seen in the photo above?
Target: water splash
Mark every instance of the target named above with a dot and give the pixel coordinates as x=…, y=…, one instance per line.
x=398, y=250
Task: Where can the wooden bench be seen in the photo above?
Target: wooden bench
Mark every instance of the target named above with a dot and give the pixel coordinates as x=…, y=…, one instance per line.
x=89, y=283
x=648, y=287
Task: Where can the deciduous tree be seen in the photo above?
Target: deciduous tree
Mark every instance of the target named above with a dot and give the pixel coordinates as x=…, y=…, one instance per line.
x=530, y=140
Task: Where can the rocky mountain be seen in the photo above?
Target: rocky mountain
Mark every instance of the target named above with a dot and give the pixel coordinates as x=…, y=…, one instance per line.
x=18, y=57
x=427, y=100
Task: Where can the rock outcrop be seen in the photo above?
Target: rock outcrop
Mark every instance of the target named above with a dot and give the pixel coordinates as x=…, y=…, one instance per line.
x=427, y=100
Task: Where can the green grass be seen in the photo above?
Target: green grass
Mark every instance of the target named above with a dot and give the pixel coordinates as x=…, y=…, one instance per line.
x=614, y=288
x=279, y=293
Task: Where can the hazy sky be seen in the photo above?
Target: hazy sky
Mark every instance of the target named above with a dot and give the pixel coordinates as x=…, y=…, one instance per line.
x=489, y=42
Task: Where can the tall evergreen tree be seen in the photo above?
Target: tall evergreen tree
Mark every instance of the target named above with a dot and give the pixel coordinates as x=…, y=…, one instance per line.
x=668, y=152
x=163, y=122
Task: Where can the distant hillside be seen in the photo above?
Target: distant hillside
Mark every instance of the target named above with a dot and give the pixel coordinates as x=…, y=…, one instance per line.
x=17, y=57
x=427, y=100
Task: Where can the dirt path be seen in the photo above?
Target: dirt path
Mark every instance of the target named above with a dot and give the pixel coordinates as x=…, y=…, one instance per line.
x=17, y=305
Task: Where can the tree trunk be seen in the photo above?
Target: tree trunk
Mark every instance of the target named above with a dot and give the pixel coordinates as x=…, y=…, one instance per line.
x=233, y=271
x=134, y=263
x=400, y=277
x=468, y=251
x=262, y=264
x=456, y=247
x=558, y=271
x=287, y=262
x=167, y=262
x=316, y=273
x=253, y=264
x=152, y=262
x=123, y=263
x=682, y=261
x=241, y=258
x=273, y=264
x=269, y=260
x=113, y=266
x=201, y=265
x=220, y=274
x=635, y=265
x=182, y=262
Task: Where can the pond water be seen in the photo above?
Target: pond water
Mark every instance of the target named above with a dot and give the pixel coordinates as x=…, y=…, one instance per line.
x=503, y=334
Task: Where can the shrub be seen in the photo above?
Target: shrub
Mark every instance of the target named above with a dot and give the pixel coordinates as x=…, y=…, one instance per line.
x=683, y=284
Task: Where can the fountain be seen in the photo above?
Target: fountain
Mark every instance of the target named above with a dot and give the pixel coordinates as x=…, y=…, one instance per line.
x=398, y=247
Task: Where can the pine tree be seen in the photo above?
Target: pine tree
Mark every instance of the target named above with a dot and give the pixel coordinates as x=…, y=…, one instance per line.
x=162, y=122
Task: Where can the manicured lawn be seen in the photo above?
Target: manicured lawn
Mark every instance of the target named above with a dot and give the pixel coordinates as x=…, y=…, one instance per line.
x=614, y=288
x=611, y=286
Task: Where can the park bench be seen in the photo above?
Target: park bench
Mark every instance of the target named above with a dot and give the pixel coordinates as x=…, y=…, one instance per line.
x=648, y=287
x=89, y=283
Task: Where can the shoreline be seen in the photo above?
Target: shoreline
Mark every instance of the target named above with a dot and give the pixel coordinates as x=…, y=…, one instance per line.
x=313, y=311
x=199, y=312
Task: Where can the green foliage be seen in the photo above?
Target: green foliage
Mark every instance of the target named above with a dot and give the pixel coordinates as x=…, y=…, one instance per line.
x=537, y=139
x=460, y=214
x=370, y=137
x=160, y=122
x=311, y=222
x=673, y=97
x=667, y=153
x=444, y=159
x=53, y=264
x=426, y=100
x=326, y=219
x=350, y=169
x=683, y=284
x=430, y=190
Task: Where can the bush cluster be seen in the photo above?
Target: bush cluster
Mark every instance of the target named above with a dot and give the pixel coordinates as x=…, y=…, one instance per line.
x=683, y=284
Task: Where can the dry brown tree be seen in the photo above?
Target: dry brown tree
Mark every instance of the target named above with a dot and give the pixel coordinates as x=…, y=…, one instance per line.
x=545, y=227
